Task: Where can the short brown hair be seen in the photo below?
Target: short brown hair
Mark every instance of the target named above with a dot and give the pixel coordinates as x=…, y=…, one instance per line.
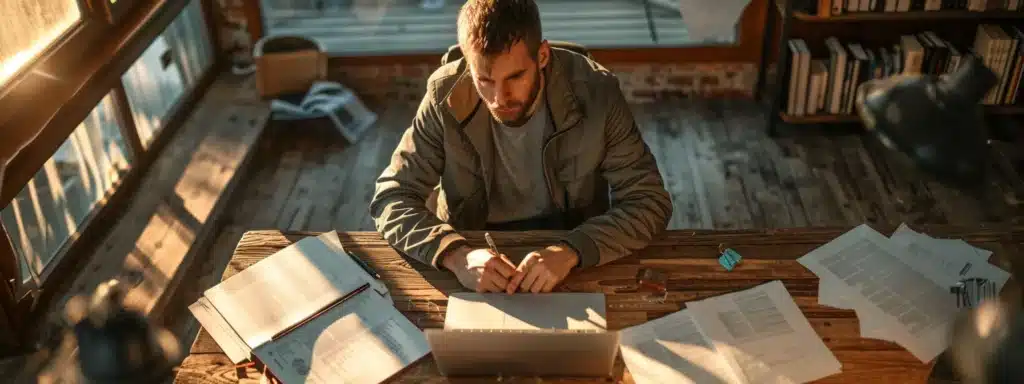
x=491, y=27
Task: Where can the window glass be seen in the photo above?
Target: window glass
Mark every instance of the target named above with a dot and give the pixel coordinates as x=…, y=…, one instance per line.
x=190, y=41
x=58, y=199
x=28, y=27
x=153, y=84
x=381, y=27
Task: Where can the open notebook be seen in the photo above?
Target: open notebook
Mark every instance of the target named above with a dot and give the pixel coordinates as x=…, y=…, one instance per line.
x=363, y=338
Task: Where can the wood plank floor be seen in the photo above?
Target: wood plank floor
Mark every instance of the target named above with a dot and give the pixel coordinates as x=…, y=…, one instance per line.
x=722, y=170
x=720, y=167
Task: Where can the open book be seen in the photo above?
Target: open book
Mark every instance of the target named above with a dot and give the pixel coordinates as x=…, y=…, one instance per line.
x=312, y=313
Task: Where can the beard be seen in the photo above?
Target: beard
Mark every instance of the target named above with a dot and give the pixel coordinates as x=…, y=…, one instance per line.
x=526, y=108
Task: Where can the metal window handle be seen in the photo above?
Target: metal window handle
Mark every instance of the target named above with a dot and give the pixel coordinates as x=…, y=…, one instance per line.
x=166, y=59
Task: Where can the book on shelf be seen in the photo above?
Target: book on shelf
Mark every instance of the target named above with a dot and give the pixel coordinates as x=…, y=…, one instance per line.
x=826, y=84
x=825, y=8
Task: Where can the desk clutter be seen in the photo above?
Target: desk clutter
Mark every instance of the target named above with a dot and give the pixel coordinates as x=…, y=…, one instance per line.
x=313, y=312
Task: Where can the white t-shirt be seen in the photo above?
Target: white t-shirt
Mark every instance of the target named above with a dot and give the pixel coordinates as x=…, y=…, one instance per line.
x=518, y=189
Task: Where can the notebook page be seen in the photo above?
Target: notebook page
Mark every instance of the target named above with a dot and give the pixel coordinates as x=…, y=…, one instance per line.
x=365, y=341
x=285, y=288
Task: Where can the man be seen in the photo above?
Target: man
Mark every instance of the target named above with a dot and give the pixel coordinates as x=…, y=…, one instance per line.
x=518, y=135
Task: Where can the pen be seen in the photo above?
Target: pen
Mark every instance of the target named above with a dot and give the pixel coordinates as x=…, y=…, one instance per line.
x=364, y=266
x=316, y=314
x=490, y=243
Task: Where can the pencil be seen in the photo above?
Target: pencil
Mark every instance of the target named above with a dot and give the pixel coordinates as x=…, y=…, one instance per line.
x=316, y=314
x=490, y=243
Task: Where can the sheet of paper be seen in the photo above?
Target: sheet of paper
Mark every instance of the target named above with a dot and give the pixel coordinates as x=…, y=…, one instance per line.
x=672, y=349
x=953, y=249
x=830, y=293
x=286, y=287
x=366, y=340
x=569, y=310
x=914, y=309
x=944, y=261
x=214, y=324
x=764, y=336
x=944, y=268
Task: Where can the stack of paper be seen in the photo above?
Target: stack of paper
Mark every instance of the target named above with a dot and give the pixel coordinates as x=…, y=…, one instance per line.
x=754, y=336
x=899, y=286
x=312, y=314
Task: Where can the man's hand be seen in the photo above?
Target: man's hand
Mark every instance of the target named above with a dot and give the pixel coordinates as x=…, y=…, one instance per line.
x=541, y=270
x=480, y=269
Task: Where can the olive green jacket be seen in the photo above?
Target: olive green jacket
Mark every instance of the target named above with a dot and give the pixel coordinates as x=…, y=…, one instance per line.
x=599, y=171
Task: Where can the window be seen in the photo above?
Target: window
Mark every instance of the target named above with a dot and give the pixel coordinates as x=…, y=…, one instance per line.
x=30, y=26
x=170, y=67
x=381, y=27
x=189, y=41
x=62, y=195
x=153, y=84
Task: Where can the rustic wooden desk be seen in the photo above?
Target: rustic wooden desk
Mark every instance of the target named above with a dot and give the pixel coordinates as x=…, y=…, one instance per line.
x=689, y=258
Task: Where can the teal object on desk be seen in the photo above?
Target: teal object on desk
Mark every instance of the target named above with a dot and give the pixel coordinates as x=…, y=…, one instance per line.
x=729, y=259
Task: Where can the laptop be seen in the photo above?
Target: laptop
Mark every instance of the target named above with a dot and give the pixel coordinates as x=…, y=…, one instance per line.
x=556, y=334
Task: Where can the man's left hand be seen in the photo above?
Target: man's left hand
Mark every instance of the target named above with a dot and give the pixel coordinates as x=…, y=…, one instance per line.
x=541, y=270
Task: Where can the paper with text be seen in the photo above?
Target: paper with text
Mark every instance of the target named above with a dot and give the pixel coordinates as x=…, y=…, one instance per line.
x=951, y=248
x=672, y=349
x=945, y=261
x=366, y=340
x=948, y=261
x=764, y=336
x=904, y=304
x=831, y=293
x=560, y=310
x=287, y=287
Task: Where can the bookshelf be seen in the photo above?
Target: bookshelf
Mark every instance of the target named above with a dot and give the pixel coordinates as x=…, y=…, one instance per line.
x=802, y=19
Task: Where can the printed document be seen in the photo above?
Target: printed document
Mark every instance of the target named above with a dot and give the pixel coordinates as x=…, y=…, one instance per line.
x=672, y=349
x=763, y=336
x=893, y=299
x=365, y=340
x=574, y=310
x=947, y=261
x=951, y=248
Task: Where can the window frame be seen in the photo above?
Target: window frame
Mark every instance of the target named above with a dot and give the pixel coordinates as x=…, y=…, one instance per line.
x=747, y=48
x=102, y=52
x=112, y=13
x=26, y=284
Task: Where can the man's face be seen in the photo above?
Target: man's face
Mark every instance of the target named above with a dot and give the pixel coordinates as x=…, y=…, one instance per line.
x=509, y=82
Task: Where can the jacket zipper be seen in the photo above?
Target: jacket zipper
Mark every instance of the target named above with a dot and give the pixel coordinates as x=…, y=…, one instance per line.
x=544, y=158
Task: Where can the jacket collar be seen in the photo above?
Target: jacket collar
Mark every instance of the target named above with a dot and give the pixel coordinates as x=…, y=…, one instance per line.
x=563, y=105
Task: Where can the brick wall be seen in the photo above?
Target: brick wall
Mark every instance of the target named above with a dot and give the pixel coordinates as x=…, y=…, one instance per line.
x=644, y=83
x=641, y=83
x=233, y=31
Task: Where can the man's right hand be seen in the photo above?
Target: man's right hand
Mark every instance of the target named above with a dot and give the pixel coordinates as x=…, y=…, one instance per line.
x=480, y=269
